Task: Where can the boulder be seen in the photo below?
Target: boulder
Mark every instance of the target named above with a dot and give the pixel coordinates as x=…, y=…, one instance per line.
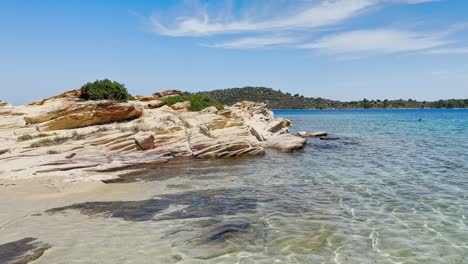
x=329, y=138
x=226, y=113
x=144, y=98
x=85, y=114
x=167, y=93
x=286, y=142
x=181, y=106
x=312, y=134
x=155, y=104
x=144, y=140
x=165, y=108
x=210, y=110
x=3, y=103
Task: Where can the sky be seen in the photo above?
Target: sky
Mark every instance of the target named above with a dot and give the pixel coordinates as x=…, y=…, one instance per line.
x=336, y=49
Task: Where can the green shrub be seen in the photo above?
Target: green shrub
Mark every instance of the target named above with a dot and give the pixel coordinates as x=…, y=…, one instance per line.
x=198, y=102
x=105, y=90
x=49, y=142
x=27, y=137
x=77, y=136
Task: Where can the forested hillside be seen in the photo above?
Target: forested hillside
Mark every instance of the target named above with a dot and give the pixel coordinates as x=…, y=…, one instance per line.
x=280, y=100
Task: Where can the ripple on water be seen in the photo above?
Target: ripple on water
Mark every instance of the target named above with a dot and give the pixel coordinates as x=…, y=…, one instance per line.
x=390, y=190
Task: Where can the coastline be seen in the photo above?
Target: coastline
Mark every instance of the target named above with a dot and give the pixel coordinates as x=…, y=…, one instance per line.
x=98, y=140
x=322, y=203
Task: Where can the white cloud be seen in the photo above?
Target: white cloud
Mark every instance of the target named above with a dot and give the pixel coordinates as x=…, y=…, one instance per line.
x=323, y=13
x=463, y=50
x=254, y=42
x=378, y=40
x=295, y=23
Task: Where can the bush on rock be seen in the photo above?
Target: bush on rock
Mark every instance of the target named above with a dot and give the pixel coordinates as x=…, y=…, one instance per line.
x=198, y=102
x=105, y=90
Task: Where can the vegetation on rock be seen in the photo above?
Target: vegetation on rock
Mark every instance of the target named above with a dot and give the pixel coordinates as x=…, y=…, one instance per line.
x=27, y=137
x=198, y=101
x=279, y=100
x=105, y=90
x=49, y=142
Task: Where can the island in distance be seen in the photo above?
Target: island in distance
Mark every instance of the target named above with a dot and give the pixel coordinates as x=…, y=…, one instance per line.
x=279, y=100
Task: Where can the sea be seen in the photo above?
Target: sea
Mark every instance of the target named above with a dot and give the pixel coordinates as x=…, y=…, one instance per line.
x=391, y=188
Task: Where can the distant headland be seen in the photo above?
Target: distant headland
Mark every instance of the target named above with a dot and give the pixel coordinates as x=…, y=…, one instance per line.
x=276, y=99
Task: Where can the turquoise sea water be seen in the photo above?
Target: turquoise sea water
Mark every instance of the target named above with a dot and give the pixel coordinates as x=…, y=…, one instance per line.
x=391, y=189
x=401, y=185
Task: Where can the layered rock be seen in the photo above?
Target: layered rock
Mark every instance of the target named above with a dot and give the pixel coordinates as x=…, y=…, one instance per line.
x=82, y=114
x=64, y=135
x=265, y=127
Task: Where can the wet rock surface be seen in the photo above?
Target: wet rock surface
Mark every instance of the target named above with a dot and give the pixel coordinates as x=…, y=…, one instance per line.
x=22, y=251
x=198, y=169
x=312, y=134
x=196, y=204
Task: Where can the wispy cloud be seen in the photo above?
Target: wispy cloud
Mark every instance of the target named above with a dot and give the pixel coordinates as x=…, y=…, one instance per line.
x=323, y=13
x=377, y=41
x=297, y=25
x=463, y=50
x=254, y=42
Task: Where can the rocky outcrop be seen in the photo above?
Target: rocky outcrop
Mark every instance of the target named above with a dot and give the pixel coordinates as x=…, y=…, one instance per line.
x=143, y=98
x=286, y=142
x=265, y=127
x=84, y=114
x=92, y=137
x=167, y=93
x=312, y=134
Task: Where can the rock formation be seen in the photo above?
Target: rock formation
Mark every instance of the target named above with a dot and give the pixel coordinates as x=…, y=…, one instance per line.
x=312, y=134
x=64, y=135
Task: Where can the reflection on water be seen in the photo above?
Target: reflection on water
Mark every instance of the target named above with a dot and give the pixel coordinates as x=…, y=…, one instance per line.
x=390, y=190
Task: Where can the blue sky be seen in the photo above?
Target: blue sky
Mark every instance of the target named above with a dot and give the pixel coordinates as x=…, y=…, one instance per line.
x=337, y=49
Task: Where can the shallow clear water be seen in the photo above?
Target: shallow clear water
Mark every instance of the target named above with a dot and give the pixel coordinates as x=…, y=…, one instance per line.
x=392, y=189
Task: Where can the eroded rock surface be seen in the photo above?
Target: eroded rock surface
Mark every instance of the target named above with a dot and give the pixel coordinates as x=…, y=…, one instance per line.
x=64, y=135
x=83, y=114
